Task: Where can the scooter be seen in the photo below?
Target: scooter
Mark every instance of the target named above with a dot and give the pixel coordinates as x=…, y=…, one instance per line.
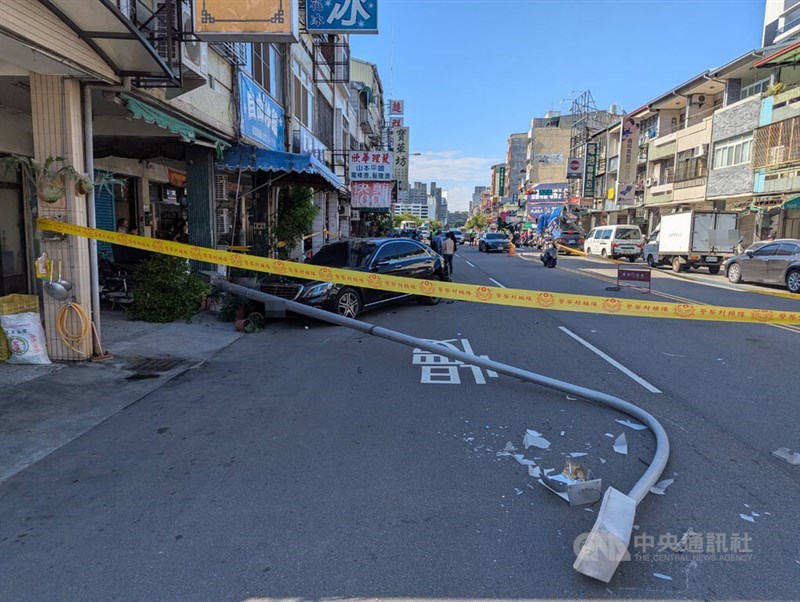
x=549, y=254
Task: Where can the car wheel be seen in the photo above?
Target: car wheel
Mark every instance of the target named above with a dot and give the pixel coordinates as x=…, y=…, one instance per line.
x=735, y=273
x=632, y=258
x=651, y=261
x=348, y=303
x=603, y=254
x=589, y=250
x=431, y=300
x=793, y=281
x=713, y=270
x=676, y=265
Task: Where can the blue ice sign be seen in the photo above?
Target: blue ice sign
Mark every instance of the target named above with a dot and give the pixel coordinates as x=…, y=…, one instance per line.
x=342, y=16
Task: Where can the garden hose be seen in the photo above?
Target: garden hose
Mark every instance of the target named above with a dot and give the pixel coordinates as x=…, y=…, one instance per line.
x=71, y=339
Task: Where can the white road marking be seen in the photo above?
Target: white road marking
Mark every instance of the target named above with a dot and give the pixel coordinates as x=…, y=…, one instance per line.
x=470, y=264
x=496, y=282
x=610, y=360
x=442, y=370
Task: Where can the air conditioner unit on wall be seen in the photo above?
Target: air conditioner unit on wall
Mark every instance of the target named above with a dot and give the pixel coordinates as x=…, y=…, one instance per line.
x=649, y=182
x=701, y=150
x=344, y=210
x=194, y=54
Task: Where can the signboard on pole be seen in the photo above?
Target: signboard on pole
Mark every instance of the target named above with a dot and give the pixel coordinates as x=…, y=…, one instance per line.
x=342, y=16
x=251, y=21
x=397, y=107
x=400, y=147
x=371, y=195
x=366, y=166
x=574, y=167
x=628, y=157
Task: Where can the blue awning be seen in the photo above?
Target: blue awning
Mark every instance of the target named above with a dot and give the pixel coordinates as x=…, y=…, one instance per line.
x=308, y=169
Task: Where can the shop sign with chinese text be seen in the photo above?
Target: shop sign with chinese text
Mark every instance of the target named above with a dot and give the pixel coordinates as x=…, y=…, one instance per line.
x=371, y=195
x=371, y=166
x=342, y=16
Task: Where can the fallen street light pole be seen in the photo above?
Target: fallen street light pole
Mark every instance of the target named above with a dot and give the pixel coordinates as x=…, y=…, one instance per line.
x=607, y=544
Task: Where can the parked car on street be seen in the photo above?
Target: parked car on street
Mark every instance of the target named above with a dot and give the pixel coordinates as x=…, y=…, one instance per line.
x=493, y=241
x=385, y=256
x=615, y=241
x=776, y=262
x=568, y=237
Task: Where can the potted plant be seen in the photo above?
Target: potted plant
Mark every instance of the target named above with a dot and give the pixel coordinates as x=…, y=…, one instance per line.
x=49, y=181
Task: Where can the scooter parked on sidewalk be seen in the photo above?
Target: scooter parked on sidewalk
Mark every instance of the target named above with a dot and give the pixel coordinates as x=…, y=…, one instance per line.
x=549, y=254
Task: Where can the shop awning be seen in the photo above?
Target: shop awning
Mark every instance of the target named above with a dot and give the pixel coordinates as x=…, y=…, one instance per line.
x=784, y=57
x=149, y=114
x=306, y=169
x=792, y=204
x=112, y=35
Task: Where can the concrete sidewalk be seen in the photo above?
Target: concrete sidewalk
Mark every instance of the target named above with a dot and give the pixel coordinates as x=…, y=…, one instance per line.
x=45, y=407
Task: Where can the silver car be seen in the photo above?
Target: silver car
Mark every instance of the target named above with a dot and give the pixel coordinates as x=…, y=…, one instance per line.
x=776, y=262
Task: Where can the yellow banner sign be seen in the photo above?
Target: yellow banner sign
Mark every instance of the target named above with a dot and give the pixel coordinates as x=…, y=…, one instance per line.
x=246, y=20
x=430, y=288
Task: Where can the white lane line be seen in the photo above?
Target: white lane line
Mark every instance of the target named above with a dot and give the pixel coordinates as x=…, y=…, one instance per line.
x=610, y=360
x=496, y=282
x=472, y=265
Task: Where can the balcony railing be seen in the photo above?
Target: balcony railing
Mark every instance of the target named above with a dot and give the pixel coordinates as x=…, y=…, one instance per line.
x=788, y=25
x=691, y=170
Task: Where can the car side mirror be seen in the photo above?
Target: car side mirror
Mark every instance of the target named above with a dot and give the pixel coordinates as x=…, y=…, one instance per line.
x=748, y=253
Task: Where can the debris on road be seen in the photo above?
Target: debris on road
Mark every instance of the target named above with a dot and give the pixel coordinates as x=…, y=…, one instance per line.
x=523, y=460
x=747, y=517
x=662, y=576
x=785, y=454
x=621, y=445
x=535, y=439
x=578, y=454
x=510, y=447
x=610, y=435
x=661, y=487
x=633, y=425
x=575, y=484
x=534, y=471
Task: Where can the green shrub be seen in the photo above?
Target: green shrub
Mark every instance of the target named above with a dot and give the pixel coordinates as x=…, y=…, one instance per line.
x=165, y=290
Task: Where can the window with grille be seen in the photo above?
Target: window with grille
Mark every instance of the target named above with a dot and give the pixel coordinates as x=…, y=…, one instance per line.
x=303, y=95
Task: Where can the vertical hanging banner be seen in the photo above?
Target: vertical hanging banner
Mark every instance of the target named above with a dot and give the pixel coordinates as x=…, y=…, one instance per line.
x=590, y=170
x=628, y=157
x=250, y=21
x=400, y=141
x=342, y=16
x=397, y=107
x=396, y=122
x=371, y=166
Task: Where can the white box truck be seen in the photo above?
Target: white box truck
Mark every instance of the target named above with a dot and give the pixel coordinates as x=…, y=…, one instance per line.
x=693, y=239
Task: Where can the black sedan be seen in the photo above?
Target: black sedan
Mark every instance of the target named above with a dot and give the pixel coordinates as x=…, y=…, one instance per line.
x=493, y=241
x=385, y=256
x=776, y=262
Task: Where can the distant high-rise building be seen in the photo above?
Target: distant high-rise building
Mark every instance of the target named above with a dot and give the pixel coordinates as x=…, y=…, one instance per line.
x=477, y=194
x=515, y=163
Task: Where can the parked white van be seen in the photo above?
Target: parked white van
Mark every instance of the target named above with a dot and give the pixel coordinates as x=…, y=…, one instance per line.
x=622, y=240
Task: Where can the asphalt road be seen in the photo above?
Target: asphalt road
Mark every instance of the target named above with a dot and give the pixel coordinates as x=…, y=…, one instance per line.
x=310, y=461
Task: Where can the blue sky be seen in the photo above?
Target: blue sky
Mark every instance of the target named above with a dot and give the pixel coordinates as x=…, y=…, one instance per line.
x=474, y=71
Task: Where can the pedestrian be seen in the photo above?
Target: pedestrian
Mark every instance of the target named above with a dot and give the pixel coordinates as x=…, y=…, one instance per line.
x=122, y=225
x=448, y=250
x=436, y=241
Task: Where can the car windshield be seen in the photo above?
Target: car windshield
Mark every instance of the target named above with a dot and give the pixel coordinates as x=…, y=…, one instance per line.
x=352, y=254
x=628, y=234
x=496, y=236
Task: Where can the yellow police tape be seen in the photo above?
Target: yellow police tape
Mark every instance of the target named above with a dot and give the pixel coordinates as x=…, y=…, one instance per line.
x=448, y=290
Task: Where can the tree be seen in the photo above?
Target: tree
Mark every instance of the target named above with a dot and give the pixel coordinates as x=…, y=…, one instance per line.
x=403, y=217
x=477, y=222
x=435, y=224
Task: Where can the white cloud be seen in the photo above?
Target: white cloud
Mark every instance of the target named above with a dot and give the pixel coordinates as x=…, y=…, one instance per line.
x=456, y=174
